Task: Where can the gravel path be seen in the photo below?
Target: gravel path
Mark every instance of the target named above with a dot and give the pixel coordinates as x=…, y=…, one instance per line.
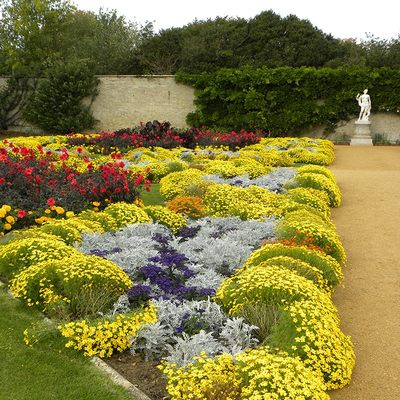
x=369, y=305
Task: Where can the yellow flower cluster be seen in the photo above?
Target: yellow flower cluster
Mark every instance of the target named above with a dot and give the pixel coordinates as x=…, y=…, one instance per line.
x=253, y=375
x=268, y=156
x=104, y=337
x=299, y=150
x=275, y=375
x=317, y=181
x=165, y=216
x=22, y=253
x=305, y=227
x=125, y=214
x=226, y=200
x=327, y=265
x=70, y=279
x=177, y=183
x=105, y=220
x=6, y=221
x=237, y=166
x=319, y=341
x=309, y=327
x=267, y=283
x=205, y=379
x=314, y=198
x=71, y=230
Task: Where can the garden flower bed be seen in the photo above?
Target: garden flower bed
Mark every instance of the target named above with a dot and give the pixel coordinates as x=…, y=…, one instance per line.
x=228, y=285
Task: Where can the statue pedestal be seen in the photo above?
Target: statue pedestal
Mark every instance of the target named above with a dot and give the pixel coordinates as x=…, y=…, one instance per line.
x=362, y=135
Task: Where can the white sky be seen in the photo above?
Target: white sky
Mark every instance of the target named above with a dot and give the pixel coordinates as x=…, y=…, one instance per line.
x=341, y=18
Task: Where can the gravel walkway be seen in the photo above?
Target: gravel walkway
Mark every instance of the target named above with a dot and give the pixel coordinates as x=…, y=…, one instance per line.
x=369, y=305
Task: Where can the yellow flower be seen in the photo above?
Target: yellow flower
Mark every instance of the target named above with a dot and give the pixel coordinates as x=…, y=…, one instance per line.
x=7, y=226
x=10, y=219
x=96, y=203
x=47, y=211
x=2, y=213
x=59, y=210
x=7, y=208
x=69, y=214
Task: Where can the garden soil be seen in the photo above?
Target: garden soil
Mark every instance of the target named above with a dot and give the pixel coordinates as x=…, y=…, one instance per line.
x=369, y=304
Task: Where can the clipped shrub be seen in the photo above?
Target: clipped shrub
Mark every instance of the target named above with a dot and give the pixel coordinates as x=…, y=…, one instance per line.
x=76, y=286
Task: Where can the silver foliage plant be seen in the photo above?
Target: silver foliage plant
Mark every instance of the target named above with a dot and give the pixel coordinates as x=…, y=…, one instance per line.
x=220, y=246
x=169, y=338
x=273, y=181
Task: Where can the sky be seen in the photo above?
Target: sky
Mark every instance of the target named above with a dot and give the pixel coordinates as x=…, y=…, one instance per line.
x=342, y=18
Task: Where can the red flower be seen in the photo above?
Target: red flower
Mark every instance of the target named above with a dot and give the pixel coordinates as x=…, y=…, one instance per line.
x=2, y=180
x=21, y=213
x=51, y=202
x=28, y=171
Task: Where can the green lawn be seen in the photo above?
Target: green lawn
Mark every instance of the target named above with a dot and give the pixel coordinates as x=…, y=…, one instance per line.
x=154, y=197
x=48, y=370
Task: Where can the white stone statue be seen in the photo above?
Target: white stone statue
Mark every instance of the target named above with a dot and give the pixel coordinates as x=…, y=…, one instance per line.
x=364, y=101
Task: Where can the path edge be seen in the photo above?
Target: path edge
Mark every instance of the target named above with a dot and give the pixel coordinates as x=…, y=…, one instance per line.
x=117, y=378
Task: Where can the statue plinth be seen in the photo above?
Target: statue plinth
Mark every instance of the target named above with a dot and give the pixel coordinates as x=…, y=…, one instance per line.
x=362, y=135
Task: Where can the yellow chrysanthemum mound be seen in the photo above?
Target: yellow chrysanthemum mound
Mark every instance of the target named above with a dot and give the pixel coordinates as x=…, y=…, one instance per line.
x=104, y=337
x=304, y=227
x=308, y=325
x=65, y=231
x=226, y=200
x=77, y=285
x=314, y=198
x=317, y=169
x=20, y=254
x=264, y=283
x=105, y=220
x=327, y=265
x=166, y=217
x=253, y=375
x=237, y=166
x=177, y=183
x=303, y=268
x=126, y=214
x=317, y=181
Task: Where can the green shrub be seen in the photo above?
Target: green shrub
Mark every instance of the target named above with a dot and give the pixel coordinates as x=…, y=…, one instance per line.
x=56, y=106
x=287, y=100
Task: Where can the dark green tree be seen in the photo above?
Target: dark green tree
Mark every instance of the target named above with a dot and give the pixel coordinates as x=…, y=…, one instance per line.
x=57, y=104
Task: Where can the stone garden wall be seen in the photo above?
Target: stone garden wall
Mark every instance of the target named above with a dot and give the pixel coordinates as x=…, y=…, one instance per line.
x=125, y=100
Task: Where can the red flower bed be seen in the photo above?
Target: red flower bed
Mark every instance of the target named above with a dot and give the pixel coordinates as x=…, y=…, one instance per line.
x=36, y=180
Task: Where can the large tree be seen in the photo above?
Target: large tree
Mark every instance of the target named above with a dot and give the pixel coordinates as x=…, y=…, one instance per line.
x=265, y=40
x=32, y=32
